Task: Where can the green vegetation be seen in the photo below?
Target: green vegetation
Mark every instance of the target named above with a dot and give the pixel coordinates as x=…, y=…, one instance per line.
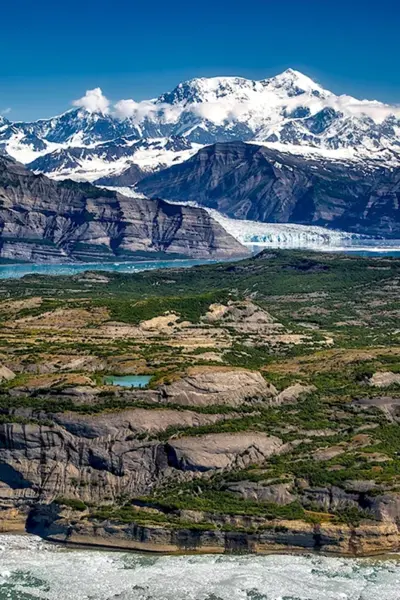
x=73, y=503
x=190, y=308
x=321, y=320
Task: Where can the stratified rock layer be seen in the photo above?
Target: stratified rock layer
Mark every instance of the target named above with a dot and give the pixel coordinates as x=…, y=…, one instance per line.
x=41, y=220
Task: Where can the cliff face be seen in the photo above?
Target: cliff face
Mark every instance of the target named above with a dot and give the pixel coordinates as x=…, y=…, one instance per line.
x=250, y=537
x=247, y=181
x=97, y=460
x=104, y=457
x=42, y=220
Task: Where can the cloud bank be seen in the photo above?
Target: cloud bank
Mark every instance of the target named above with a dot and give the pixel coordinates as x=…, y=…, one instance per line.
x=256, y=105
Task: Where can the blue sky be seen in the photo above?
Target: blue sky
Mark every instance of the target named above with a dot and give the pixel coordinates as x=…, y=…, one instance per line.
x=53, y=51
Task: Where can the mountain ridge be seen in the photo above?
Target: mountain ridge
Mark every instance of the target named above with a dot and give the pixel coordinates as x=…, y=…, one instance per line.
x=46, y=221
x=289, y=109
x=250, y=181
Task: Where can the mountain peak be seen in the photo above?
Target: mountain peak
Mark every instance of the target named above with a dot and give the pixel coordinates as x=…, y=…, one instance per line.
x=4, y=121
x=289, y=110
x=292, y=80
x=206, y=89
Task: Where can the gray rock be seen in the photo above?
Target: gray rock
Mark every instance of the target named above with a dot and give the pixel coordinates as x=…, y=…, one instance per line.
x=6, y=374
x=221, y=451
x=384, y=379
x=205, y=387
x=279, y=493
x=44, y=220
x=294, y=392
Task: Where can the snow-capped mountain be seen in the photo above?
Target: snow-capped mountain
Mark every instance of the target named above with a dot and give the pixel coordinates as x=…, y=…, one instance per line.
x=257, y=183
x=123, y=161
x=289, y=110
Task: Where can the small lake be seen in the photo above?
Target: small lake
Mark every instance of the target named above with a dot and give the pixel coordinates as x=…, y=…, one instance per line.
x=128, y=381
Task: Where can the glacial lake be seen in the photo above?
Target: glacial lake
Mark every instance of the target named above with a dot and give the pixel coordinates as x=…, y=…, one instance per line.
x=31, y=569
x=129, y=381
x=9, y=271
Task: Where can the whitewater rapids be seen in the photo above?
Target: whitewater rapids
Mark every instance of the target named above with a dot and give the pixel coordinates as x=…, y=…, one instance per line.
x=33, y=569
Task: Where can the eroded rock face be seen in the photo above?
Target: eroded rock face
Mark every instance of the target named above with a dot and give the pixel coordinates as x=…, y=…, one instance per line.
x=219, y=386
x=98, y=458
x=384, y=379
x=294, y=393
x=279, y=493
x=221, y=451
x=135, y=421
x=42, y=220
x=283, y=535
x=6, y=374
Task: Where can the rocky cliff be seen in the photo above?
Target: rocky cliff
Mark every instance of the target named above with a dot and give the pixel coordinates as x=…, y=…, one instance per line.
x=247, y=181
x=41, y=220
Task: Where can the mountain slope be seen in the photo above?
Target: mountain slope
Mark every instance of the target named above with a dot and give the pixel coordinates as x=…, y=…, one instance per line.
x=248, y=181
x=120, y=162
x=289, y=111
x=42, y=220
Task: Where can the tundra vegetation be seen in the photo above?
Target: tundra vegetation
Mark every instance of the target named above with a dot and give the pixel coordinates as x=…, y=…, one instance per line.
x=274, y=397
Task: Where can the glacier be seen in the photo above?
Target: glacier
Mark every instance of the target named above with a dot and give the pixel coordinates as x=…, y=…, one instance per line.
x=257, y=235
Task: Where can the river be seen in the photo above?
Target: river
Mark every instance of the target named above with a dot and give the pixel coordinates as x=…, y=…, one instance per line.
x=15, y=271
x=33, y=569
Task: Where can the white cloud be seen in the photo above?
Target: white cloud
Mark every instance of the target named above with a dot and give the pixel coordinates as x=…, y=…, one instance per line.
x=349, y=106
x=377, y=111
x=94, y=101
x=167, y=113
x=256, y=105
x=5, y=111
x=130, y=108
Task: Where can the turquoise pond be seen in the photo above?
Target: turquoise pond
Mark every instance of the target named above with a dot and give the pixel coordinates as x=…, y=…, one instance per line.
x=129, y=381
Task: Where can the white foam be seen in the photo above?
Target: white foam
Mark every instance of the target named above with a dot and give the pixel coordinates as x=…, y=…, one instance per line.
x=33, y=567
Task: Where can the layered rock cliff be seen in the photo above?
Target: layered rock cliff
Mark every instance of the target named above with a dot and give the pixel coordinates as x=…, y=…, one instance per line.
x=248, y=181
x=41, y=220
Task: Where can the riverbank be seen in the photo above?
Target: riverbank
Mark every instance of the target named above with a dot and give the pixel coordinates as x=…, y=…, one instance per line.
x=239, y=535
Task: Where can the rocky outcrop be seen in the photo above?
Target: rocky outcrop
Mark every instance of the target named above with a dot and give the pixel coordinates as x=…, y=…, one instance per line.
x=217, y=385
x=132, y=422
x=222, y=451
x=278, y=493
x=246, y=181
x=41, y=220
x=255, y=536
x=101, y=457
x=6, y=374
x=384, y=379
x=294, y=392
